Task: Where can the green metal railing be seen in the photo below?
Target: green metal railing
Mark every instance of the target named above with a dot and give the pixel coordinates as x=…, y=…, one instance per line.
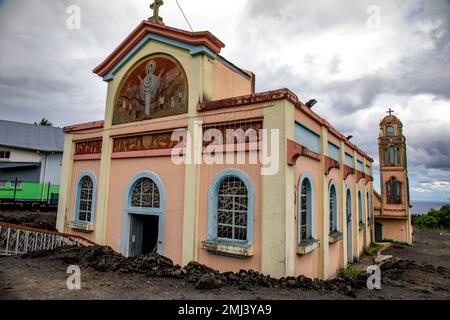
x=22, y=191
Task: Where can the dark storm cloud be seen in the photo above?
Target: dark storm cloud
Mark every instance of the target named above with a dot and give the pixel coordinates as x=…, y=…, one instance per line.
x=413, y=58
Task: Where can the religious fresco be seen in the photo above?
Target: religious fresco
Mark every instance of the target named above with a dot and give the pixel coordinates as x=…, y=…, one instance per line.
x=88, y=147
x=155, y=141
x=156, y=88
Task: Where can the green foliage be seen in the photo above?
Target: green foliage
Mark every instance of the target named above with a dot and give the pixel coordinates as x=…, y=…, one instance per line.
x=44, y=122
x=434, y=219
x=351, y=272
x=374, y=248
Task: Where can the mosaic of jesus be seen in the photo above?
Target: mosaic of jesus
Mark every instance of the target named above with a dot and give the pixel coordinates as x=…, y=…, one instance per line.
x=156, y=88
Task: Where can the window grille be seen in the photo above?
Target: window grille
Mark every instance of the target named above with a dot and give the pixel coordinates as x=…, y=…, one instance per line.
x=232, y=209
x=145, y=194
x=85, y=204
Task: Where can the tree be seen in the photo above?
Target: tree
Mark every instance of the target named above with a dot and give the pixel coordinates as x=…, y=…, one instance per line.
x=434, y=219
x=44, y=122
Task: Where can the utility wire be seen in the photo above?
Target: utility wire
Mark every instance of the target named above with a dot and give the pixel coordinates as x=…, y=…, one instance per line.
x=184, y=16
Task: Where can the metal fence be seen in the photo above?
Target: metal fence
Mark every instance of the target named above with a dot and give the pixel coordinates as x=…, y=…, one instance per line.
x=16, y=240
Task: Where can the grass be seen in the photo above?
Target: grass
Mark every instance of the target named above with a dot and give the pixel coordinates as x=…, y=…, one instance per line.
x=374, y=248
x=397, y=242
x=351, y=272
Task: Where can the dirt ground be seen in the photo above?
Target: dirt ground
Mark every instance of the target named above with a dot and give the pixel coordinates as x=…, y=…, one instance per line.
x=29, y=218
x=418, y=272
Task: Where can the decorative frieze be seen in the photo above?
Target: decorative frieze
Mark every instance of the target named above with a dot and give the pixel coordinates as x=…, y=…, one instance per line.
x=154, y=141
x=245, y=131
x=87, y=147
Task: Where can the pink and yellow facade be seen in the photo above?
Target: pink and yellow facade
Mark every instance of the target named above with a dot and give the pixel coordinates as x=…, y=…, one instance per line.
x=298, y=201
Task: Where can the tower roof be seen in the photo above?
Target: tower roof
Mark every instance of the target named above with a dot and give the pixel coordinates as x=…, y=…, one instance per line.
x=390, y=119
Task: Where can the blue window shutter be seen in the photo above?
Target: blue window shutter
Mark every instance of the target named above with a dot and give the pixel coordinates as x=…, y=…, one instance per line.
x=333, y=151
x=307, y=138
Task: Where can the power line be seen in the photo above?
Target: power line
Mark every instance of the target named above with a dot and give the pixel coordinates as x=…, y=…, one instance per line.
x=184, y=16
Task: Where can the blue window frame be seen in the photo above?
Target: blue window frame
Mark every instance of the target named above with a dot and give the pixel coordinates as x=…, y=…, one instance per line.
x=369, y=216
x=144, y=195
x=85, y=197
x=333, y=207
x=230, y=208
x=391, y=155
x=349, y=235
x=305, y=208
x=348, y=203
x=360, y=209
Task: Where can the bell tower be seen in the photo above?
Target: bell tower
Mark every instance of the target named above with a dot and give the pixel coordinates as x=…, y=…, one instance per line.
x=394, y=215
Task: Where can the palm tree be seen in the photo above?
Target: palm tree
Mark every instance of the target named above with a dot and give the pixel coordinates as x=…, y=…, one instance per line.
x=44, y=122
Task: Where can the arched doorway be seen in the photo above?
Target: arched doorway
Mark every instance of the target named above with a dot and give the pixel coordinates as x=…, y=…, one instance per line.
x=348, y=207
x=143, y=216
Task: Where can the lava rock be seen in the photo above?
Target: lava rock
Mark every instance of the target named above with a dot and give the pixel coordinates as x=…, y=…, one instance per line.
x=208, y=281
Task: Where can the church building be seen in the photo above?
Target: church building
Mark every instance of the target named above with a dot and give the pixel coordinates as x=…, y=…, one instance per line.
x=392, y=207
x=190, y=162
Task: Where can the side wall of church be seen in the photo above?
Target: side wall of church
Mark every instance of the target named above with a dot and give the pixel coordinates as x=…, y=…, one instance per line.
x=79, y=169
x=229, y=83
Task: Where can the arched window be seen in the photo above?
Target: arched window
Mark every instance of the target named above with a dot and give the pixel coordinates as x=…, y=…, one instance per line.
x=369, y=216
x=348, y=209
x=386, y=156
x=390, y=131
x=305, y=209
x=333, y=208
x=145, y=194
x=393, y=191
x=360, y=209
x=232, y=205
x=348, y=204
x=85, y=199
x=391, y=155
x=397, y=156
x=231, y=208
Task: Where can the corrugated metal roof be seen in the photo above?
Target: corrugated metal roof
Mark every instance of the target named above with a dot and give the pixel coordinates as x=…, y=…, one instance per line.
x=16, y=165
x=31, y=136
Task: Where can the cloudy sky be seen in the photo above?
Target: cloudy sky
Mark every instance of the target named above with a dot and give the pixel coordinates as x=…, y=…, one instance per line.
x=357, y=58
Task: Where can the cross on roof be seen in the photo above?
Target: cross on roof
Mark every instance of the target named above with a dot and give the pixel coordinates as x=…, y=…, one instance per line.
x=155, y=18
x=390, y=111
